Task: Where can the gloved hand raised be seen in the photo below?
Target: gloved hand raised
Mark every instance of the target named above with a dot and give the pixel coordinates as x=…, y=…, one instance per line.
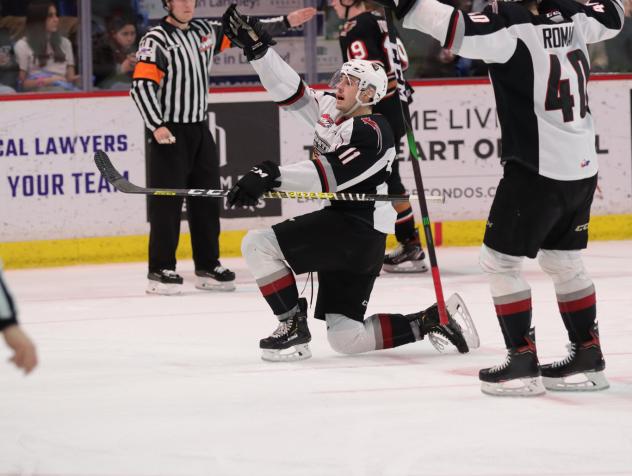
x=249, y=189
x=400, y=7
x=246, y=33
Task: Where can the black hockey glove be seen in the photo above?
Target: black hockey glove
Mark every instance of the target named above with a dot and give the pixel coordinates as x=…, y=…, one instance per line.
x=246, y=33
x=249, y=189
x=400, y=7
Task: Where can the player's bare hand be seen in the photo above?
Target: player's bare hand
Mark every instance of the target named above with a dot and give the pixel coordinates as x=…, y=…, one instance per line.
x=25, y=356
x=300, y=16
x=164, y=136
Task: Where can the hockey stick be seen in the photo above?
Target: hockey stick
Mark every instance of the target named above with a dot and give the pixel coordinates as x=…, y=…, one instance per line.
x=104, y=164
x=412, y=145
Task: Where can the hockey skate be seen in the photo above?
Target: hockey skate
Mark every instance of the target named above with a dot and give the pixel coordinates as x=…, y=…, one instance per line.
x=290, y=340
x=517, y=376
x=217, y=279
x=460, y=330
x=408, y=257
x=165, y=282
x=580, y=371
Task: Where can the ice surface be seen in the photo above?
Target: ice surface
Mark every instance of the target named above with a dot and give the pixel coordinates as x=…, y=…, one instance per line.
x=137, y=385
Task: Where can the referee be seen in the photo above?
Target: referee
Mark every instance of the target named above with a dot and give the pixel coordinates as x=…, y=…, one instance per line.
x=25, y=355
x=170, y=88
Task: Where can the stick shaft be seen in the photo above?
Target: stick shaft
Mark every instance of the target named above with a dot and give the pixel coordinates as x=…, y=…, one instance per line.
x=121, y=183
x=412, y=144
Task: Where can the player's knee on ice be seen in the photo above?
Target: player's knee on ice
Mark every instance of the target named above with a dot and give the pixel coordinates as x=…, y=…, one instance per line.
x=347, y=336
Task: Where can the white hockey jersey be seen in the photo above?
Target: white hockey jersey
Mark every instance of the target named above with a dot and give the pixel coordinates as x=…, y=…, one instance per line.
x=353, y=154
x=539, y=69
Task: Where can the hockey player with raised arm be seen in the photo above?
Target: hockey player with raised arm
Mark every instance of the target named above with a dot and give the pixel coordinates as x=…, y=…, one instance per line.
x=364, y=35
x=344, y=242
x=539, y=68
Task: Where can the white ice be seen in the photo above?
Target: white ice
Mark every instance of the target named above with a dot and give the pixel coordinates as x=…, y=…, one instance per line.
x=137, y=385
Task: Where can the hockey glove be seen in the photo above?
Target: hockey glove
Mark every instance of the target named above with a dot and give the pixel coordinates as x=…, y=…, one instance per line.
x=249, y=189
x=400, y=7
x=246, y=33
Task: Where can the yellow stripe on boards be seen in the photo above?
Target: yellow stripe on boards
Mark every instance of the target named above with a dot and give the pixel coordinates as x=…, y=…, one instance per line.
x=116, y=249
x=112, y=249
x=471, y=232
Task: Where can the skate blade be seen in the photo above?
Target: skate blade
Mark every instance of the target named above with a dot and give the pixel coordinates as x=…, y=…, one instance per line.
x=211, y=285
x=458, y=311
x=520, y=387
x=298, y=352
x=418, y=266
x=163, y=289
x=588, y=382
x=440, y=343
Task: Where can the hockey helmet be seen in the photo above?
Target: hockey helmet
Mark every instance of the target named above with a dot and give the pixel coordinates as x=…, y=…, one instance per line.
x=370, y=75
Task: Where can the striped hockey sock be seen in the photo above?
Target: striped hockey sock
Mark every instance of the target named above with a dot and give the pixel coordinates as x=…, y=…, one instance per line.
x=579, y=312
x=279, y=289
x=392, y=330
x=514, y=317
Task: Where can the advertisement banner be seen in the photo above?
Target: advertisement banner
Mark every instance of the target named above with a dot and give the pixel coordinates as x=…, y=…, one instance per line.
x=216, y=8
x=49, y=186
x=232, y=62
x=458, y=138
x=247, y=133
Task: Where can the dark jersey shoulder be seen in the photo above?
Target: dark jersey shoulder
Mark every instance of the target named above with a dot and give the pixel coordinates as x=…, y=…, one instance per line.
x=372, y=132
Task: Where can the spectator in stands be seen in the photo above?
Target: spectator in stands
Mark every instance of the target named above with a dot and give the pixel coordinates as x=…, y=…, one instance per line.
x=8, y=64
x=115, y=54
x=45, y=58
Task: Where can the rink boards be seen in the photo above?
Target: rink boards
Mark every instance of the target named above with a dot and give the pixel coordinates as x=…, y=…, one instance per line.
x=57, y=209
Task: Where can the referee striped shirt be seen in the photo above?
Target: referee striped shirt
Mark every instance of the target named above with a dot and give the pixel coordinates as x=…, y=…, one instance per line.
x=8, y=313
x=171, y=77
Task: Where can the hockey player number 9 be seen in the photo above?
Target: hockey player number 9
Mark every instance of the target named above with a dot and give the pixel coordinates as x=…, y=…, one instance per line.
x=558, y=93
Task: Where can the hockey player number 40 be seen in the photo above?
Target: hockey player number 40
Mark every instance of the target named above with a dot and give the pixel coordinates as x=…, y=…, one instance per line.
x=558, y=94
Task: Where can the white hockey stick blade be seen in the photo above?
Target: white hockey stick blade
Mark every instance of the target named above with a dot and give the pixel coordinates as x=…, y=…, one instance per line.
x=458, y=310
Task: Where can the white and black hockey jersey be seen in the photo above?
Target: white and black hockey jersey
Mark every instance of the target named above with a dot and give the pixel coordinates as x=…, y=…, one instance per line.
x=350, y=154
x=8, y=313
x=539, y=69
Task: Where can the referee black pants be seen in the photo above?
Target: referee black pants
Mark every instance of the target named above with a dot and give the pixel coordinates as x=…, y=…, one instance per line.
x=191, y=162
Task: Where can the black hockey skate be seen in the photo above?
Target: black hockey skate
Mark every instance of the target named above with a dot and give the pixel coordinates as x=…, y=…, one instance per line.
x=166, y=282
x=580, y=371
x=460, y=330
x=408, y=257
x=217, y=279
x=291, y=333
x=518, y=375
